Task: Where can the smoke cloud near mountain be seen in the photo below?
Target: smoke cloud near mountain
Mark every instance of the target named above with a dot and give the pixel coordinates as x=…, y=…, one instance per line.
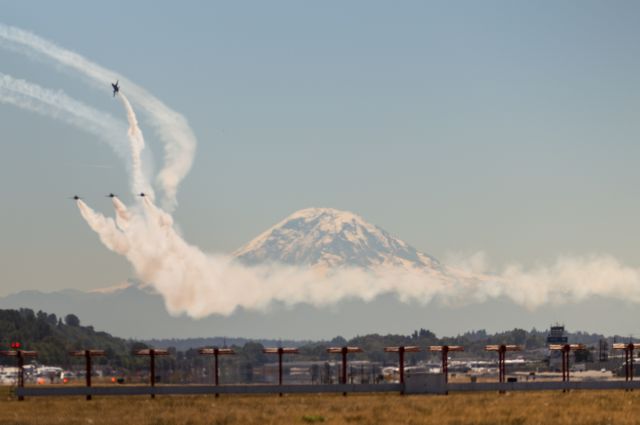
x=199, y=284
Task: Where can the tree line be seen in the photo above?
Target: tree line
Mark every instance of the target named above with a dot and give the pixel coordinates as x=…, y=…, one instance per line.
x=53, y=337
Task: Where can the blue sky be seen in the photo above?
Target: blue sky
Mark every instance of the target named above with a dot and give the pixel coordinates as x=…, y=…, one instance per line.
x=507, y=127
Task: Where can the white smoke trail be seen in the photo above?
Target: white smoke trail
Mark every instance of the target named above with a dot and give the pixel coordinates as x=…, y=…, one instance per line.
x=106, y=228
x=138, y=181
x=58, y=105
x=573, y=279
x=172, y=128
x=123, y=217
x=198, y=284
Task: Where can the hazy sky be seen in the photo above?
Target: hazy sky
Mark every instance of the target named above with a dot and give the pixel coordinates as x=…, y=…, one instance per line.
x=506, y=127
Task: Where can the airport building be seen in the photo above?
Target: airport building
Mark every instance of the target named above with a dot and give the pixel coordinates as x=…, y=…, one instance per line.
x=557, y=335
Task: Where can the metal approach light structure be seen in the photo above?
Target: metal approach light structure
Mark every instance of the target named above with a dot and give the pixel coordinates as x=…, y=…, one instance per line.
x=152, y=353
x=87, y=354
x=445, y=349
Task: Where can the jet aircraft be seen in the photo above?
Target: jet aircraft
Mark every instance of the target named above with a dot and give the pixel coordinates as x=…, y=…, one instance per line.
x=111, y=195
x=75, y=197
x=116, y=88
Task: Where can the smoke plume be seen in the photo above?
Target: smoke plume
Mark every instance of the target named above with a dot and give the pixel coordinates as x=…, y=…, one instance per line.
x=170, y=126
x=139, y=183
x=57, y=105
x=199, y=284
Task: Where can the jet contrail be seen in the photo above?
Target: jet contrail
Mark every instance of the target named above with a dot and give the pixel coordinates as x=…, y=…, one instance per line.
x=58, y=105
x=139, y=183
x=171, y=127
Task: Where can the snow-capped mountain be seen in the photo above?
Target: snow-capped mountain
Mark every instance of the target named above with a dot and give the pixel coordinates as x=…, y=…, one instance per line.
x=326, y=237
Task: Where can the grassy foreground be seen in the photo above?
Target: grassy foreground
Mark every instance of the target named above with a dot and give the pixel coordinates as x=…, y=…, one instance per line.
x=586, y=407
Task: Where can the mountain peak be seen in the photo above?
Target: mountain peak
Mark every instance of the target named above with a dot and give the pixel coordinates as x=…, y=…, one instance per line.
x=329, y=237
x=316, y=211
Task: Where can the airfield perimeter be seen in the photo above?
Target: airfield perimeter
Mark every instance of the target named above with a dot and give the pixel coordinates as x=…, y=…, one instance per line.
x=544, y=407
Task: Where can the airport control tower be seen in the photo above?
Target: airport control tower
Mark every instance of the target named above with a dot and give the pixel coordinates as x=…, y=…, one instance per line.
x=557, y=335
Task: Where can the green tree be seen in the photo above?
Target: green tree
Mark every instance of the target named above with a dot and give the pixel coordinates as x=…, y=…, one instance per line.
x=71, y=320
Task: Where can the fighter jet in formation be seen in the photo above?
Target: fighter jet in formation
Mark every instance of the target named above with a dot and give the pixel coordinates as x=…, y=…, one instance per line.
x=116, y=88
x=110, y=195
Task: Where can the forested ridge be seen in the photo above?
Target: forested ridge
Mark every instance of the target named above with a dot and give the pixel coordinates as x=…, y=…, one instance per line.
x=53, y=337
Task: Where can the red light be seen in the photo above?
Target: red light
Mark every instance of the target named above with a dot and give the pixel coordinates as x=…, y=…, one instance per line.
x=15, y=345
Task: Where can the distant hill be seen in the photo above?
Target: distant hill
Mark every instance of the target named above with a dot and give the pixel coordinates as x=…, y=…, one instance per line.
x=184, y=344
x=53, y=337
x=117, y=310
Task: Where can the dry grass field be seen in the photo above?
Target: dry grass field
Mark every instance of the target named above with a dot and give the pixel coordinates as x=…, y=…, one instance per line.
x=611, y=407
